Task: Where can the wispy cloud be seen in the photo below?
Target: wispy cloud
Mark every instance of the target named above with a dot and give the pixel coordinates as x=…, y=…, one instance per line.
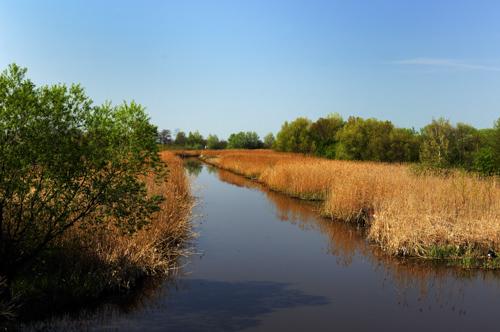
x=449, y=63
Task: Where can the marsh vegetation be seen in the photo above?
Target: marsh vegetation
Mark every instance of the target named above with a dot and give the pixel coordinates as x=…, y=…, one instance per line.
x=87, y=204
x=453, y=216
x=269, y=262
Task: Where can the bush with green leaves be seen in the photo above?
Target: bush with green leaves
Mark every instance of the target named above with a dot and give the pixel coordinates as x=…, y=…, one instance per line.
x=214, y=143
x=294, y=136
x=180, y=139
x=195, y=140
x=365, y=139
x=323, y=134
x=66, y=162
x=244, y=140
x=269, y=141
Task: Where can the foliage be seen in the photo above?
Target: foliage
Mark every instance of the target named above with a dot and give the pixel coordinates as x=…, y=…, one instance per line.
x=66, y=162
x=436, y=143
x=165, y=136
x=439, y=145
x=323, y=134
x=294, y=136
x=213, y=142
x=495, y=145
x=195, y=140
x=362, y=139
x=180, y=138
x=465, y=144
x=404, y=145
x=269, y=141
x=487, y=158
x=244, y=140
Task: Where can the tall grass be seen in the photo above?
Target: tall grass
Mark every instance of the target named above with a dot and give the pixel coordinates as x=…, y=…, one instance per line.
x=455, y=216
x=153, y=249
x=89, y=262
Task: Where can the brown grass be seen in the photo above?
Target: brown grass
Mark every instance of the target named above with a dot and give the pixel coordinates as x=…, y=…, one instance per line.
x=86, y=263
x=121, y=258
x=452, y=216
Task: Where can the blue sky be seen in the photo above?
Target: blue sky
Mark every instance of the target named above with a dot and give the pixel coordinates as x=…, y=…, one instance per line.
x=226, y=66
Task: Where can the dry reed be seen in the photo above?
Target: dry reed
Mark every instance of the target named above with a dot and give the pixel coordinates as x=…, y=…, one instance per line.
x=116, y=260
x=452, y=216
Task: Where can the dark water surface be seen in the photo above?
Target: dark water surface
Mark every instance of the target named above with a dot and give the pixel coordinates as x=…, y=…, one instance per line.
x=267, y=262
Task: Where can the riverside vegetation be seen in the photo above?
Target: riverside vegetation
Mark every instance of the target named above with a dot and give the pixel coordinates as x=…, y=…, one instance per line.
x=439, y=145
x=453, y=216
x=88, y=207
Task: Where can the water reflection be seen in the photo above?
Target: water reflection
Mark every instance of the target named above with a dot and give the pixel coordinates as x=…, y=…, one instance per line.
x=194, y=305
x=193, y=166
x=415, y=280
x=272, y=262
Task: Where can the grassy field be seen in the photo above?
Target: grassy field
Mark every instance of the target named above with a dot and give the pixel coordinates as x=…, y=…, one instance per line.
x=86, y=263
x=454, y=216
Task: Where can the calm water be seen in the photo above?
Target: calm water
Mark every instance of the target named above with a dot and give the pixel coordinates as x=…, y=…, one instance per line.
x=266, y=262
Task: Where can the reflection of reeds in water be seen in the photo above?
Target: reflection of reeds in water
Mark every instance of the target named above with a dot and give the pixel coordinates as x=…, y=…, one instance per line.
x=454, y=217
x=429, y=278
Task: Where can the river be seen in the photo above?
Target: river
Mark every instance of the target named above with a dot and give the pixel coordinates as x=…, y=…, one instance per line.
x=267, y=262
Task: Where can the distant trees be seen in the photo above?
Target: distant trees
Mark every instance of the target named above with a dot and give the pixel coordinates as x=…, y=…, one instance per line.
x=439, y=144
x=214, y=143
x=444, y=145
x=294, y=136
x=165, y=137
x=404, y=145
x=180, y=138
x=323, y=135
x=269, y=141
x=495, y=144
x=354, y=139
x=363, y=139
x=195, y=140
x=436, y=143
x=244, y=140
x=466, y=142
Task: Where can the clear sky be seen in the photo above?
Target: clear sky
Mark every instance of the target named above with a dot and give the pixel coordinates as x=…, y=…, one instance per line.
x=226, y=66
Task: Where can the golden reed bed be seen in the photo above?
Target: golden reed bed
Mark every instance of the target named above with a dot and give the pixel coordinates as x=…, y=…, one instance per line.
x=121, y=259
x=452, y=216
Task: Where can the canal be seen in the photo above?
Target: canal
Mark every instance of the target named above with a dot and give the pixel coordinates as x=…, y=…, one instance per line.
x=267, y=262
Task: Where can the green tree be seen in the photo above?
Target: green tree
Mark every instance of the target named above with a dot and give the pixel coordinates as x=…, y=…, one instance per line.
x=436, y=145
x=487, y=158
x=165, y=136
x=181, y=139
x=404, y=145
x=496, y=145
x=323, y=135
x=362, y=139
x=294, y=136
x=214, y=143
x=195, y=140
x=66, y=162
x=269, y=141
x=465, y=144
x=244, y=140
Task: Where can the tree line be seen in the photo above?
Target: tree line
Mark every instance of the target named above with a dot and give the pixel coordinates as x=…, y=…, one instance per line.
x=194, y=140
x=439, y=144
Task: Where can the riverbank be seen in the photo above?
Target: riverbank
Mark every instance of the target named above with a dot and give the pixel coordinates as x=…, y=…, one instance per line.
x=454, y=218
x=99, y=260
